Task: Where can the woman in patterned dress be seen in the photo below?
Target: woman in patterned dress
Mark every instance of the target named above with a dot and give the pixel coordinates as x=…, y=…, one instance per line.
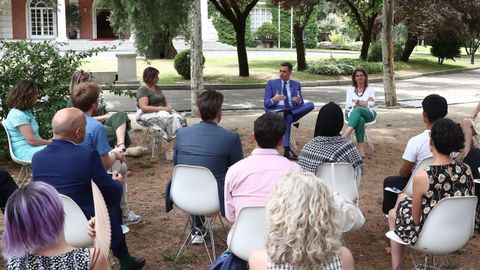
x=154, y=111
x=303, y=232
x=444, y=178
x=33, y=236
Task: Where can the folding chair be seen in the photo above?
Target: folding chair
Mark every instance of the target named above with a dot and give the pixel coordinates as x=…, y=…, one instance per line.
x=447, y=228
x=194, y=190
x=155, y=138
x=409, y=187
x=25, y=173
x=249, y=231
x=340, y=177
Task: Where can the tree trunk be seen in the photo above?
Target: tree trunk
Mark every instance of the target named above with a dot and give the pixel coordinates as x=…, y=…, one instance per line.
x=299, y=47
x=241, y=49
x=387, y=53
x=196, y=54
x=410, y=44
x=367, y=37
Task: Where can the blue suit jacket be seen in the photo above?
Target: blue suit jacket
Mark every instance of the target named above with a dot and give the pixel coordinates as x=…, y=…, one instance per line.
x=211, y=146
x=273, y=87
x=70, y=168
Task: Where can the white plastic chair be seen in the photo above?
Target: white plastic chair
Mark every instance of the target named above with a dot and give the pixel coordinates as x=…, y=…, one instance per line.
x=340, y=177
x=194, y=190
x=409, y=187
x=76, y=232
x=368, y=140
x=447, y=228
x=249, y=231
x=25, y=173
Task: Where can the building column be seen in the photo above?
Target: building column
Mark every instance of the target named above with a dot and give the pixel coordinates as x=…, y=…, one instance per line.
x=61, y=21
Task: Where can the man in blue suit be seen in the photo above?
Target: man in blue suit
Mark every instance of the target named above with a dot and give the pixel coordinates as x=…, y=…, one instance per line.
x=209, y=145
x=284, y=95
x=70, y=168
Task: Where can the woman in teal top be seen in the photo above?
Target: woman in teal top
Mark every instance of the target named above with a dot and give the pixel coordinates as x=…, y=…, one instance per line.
x=20, y=122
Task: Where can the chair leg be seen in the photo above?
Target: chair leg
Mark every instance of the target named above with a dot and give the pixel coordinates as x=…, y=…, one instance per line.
x=184, y=244
x=24, y=176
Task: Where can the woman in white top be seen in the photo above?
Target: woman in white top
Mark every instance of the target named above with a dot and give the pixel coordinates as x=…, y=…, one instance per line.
x=471, y=127
x=359, y=107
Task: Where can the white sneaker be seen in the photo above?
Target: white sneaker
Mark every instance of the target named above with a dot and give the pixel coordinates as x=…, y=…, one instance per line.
x=131, y=219
x=197, y=239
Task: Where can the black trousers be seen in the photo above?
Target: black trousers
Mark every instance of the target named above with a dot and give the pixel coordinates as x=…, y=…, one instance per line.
x=390, y=198
x=7, y=187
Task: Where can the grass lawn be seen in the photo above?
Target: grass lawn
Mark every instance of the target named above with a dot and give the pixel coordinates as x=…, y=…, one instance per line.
x=224, y=70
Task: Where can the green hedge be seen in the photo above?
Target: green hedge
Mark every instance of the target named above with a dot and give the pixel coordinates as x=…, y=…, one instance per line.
x=181, y=63
x=351, y=46
x=375, y=52
x=342, y=66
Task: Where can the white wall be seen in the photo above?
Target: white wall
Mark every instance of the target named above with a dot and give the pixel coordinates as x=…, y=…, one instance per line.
x=6, y=27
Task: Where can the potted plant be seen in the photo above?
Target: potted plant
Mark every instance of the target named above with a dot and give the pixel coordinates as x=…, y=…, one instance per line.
x=267, y=34
x=72, y=20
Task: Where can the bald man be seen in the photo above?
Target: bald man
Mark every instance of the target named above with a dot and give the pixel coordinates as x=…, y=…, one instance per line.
x=70, y=167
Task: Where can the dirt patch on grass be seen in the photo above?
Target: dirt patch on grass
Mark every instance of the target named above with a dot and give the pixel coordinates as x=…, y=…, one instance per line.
x=158, y=235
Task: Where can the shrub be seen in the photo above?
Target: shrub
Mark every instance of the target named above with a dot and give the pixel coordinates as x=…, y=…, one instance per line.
x=351, y=46
x=445, y=45
x=50, y=68
x=266, y=32
x=182, y=63
x=375, y=52
x=341, y=67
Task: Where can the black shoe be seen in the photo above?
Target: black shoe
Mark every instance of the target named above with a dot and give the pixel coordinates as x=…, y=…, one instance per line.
x=290, y=154
x=138, y=263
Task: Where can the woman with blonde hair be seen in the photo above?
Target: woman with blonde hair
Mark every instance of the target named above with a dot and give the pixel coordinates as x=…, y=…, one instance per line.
x=116, y=125
x=303, y=228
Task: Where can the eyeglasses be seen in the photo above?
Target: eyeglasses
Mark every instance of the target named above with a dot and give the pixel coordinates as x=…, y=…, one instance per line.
x=283, y=71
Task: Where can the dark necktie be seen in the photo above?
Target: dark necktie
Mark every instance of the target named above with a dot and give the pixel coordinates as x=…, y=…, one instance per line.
x=284, y=90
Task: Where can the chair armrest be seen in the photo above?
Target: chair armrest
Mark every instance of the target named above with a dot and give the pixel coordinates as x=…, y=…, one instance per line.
x=392, y=236
x=393, y=190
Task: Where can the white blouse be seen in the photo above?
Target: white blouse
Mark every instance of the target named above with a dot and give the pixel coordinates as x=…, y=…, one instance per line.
x=351, y=95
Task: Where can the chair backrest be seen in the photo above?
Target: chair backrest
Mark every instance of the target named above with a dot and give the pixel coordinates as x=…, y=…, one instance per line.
x=249, y=231
x=14, y=158
x=423, y=164
x=449, y=225
x=76, y=232
x=340, y=177
x=194, y=190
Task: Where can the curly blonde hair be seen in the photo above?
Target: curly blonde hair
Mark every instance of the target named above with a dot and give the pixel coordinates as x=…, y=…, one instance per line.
x=302, y=228
x=79, y=77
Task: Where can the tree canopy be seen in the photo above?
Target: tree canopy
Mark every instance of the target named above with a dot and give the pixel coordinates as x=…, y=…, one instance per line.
x=236, y=12
x=154, y=23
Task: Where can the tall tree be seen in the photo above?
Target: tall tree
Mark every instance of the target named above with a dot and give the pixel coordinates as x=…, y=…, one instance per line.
x=196, y=53
x=154, y=22
x=236, y=12
x=364, y=13
x=387, y=53
x=302, y=10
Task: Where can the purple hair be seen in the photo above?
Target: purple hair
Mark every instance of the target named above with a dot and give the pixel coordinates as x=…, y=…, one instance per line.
x=33, y=219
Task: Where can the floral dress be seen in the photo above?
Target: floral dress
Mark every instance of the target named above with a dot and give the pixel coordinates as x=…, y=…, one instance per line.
x=450, y=180
x=334, y=264
x=78, y=259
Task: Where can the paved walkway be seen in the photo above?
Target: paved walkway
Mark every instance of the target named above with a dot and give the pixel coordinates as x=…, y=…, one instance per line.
x=457, y=88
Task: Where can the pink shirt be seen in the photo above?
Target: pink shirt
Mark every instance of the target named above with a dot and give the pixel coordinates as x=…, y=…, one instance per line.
x=250, y=181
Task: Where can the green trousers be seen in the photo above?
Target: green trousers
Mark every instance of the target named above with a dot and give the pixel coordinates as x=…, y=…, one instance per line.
x=358, y=118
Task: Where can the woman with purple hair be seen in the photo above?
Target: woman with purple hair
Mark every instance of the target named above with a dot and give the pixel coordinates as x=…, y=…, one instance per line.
x=33, y=234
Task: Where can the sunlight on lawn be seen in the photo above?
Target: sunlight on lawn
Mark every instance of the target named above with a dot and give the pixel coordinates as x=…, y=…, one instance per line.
x=224, y=70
